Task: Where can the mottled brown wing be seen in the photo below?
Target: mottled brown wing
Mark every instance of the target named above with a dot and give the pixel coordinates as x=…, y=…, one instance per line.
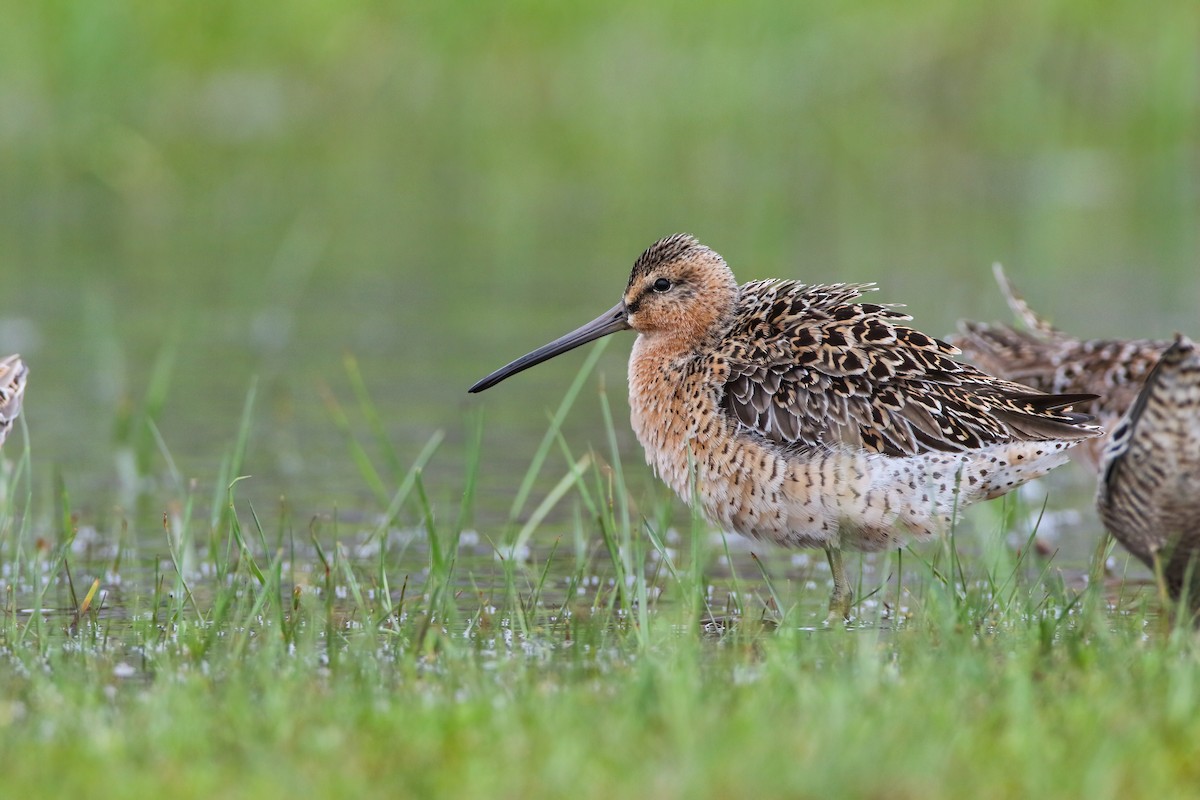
x=1112, y=369
x=811, y=366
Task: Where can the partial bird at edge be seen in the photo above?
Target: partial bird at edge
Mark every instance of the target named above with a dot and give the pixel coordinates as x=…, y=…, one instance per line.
x=1148, y=495
x=1050, y=360
x=13, y=374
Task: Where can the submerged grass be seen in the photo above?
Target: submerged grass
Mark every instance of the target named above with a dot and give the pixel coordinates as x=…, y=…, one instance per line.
x=391, y=661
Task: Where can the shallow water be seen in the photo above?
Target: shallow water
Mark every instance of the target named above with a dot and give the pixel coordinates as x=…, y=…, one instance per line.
x=568, y=577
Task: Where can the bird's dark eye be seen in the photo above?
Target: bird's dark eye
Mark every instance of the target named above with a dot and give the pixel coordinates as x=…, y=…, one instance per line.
x=662, y=285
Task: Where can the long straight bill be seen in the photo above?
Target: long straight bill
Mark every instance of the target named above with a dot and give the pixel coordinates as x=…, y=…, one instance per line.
x=610, y=321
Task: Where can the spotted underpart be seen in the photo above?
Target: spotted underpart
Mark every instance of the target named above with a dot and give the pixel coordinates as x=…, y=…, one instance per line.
x=1052, y=361
x=801, y=415
x=12, y=389
x=1149, y=490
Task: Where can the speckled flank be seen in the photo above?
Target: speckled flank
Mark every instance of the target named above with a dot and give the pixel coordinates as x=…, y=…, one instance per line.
x=1049, y=360
x=1149, y=490
x=12, y=389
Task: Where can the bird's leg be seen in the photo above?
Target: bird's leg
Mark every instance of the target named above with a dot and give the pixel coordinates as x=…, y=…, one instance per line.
x=843, y=595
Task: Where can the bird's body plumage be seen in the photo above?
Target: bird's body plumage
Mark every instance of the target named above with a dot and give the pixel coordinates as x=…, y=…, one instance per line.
x=1149, y=490
x=810, y=418
x=801, y=415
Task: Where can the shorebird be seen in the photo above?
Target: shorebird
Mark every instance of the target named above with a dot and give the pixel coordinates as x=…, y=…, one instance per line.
x=799, y=415
x=12, y=388
x=1055, y=362
x=1149, y=491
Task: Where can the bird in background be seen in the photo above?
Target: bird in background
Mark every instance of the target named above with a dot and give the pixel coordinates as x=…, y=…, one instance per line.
x=802, y=415
x=13, y=373
x=1149, y=490
x=1052, y=361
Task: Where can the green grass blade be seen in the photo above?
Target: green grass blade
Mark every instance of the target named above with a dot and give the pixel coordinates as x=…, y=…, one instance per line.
x=358, y=453
x=371, y=414
x=556, y=421
x=551, y=499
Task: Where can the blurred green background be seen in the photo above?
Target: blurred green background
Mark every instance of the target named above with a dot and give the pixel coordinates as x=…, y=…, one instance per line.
x=438, y=187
